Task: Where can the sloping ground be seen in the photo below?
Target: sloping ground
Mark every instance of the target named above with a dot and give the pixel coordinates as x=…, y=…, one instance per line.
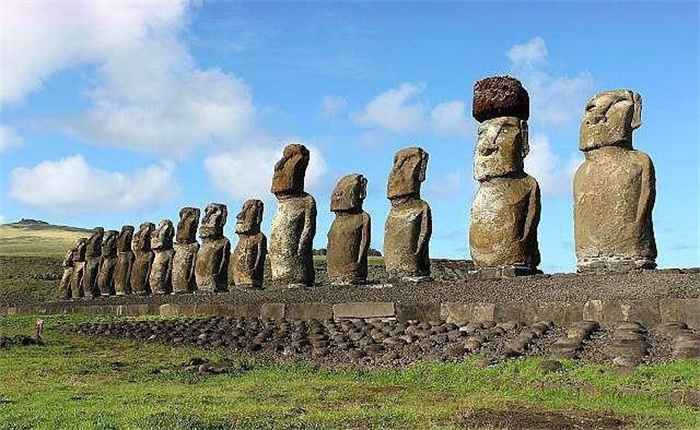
x=38, y=239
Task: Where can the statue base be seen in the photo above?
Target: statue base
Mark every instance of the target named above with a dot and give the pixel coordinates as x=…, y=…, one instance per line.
x=508, y=271
x=605, y=265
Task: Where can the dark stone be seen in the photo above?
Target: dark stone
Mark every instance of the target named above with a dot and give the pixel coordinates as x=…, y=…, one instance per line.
x=499, y=96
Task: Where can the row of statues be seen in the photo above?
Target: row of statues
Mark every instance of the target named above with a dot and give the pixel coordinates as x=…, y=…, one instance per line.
x=614, y=191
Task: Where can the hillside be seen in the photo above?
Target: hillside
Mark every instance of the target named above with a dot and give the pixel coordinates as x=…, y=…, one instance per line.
x=36, y=238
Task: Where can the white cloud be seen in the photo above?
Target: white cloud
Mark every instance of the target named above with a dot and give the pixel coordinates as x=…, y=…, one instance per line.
x=149, y=93
x=2, y=219
x=70, y=186
x=331, y=106
x=9, y=138
x=553, y=99
x=450, y=118
x=543, y=164
x=247, y=173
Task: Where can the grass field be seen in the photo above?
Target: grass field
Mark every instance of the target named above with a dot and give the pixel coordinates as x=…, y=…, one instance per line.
x=38, y=240
x=78, y=382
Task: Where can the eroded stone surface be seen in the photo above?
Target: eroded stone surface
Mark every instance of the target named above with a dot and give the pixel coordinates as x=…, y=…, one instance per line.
x=105, y=279
x=93, y=253
x=409, y=224
x=186, y=248
x=499, y=96
x=125, y=259
x=294, y=223
x=162, y=246
x=143, y=259
x=64, y=289
x=350, y=234
x=614, y=189
x=211, y=267
x=76, y=282
x=248, y=260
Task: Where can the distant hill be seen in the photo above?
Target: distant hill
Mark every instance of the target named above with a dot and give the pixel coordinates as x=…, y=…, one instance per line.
x=37, y=238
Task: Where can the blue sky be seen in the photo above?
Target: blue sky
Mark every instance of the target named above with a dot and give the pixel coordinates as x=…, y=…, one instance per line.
x=121, y=113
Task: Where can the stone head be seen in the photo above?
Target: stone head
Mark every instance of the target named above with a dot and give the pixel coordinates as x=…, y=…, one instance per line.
x=124, y=239
x=410, y=165
x=215, y=215
x=349, y=193
x=94, y=243
x=79, y=251
x=609, y=119
x=142, y=238
x=290, y=170
x=109, y=243
x=501, y=147
x=187, y=226
x=249, y=218
x=162, y=236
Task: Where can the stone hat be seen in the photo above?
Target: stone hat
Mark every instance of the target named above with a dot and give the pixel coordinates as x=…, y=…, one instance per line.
x=498, y=96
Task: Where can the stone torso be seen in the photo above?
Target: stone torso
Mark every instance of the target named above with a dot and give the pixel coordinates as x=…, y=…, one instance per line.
x=122, y=272
x=402, y=232
x=140, y=272
x=610, y=193
x=249, y=251
x=286, y=260
x=159, y=278
x=105, y=279
x=345, y=243
x=498, y=222
x=183, y=267
x=212, y=264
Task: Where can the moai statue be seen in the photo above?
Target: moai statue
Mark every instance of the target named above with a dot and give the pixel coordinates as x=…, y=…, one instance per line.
x=93, y=257
x=409, y=224
x=294, y=224
x=211, y=267
x=105, y=280
x=162, y=246
x=614, y=188
x=143, y=259
x=506, y=209
x=186, y=248
x=248, y=259
x=350, y=233
x=64, y=289
x=76, y=280
x=125, y=259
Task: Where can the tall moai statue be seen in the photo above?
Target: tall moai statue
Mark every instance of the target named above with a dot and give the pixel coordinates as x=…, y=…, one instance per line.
x=614, y=188
x=186, y=248
x=125, y=260
x=211, y=267
x=505, y=212
x=64, y=288
x=248, y=260
x=294, y=224
x=409, y=224
x=350, y=233
x=76, y=280
x=93, y=257
x=105, y=279
x=160, y=279
x=143, y=259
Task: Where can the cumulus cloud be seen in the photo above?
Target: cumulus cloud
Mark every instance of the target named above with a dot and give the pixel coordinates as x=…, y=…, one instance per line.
x=331, y=106
x=553, y=99
x=397, y=111
x=247, y=173
x=555, y=178
x=70, y=186
x=9, y=138
x=149, y=93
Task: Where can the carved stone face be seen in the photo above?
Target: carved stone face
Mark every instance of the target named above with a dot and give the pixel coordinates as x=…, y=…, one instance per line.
x=290, y=170
x=187, y=226
x=94, y=243
x=124, y=239
x=609, y=119
x=142, y=238
x=215, y=215
x=109, y=243
x=162, y=236
x=501, y=147
x=349, y=193
x=409, y=169
x=249, y=218
x=79, y=251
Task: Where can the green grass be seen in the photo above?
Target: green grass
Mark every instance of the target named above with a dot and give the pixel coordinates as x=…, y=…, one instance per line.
x=38, y=241
x=80, y=382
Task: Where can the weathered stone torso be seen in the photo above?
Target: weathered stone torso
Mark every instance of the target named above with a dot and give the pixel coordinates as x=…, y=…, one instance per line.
x=612, y=205
x=140, y=272
x=183, y=279
x=402, y=232
x=159, y=278
x=105, y=279
x=346, y=258
x=212, y=265
x=288, y=262
x=499, y=215
x=122, y=272
x=76, y=282
x=250, y=250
